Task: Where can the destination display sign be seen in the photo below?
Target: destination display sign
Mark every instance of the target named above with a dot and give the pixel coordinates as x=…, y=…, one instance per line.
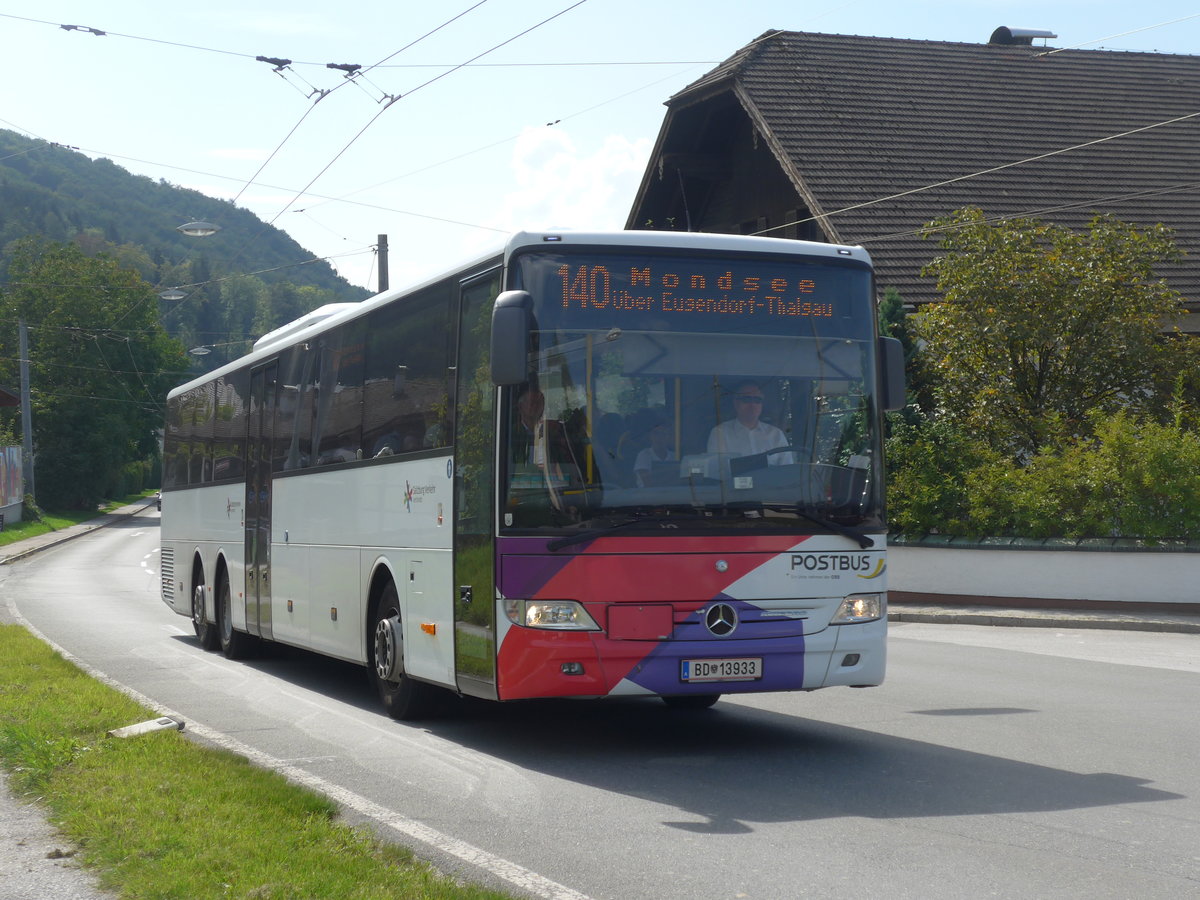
x=683, y=290
x=713, y=294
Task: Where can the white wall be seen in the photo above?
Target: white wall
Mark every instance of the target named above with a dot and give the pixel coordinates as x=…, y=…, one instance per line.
x=1134, y=576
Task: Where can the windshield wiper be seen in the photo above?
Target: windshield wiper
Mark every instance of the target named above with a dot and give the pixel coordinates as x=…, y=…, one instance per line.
x=864, y=540
x=570, y=539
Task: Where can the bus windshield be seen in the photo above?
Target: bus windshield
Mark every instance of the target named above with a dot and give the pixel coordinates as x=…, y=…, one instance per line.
x=713, y=391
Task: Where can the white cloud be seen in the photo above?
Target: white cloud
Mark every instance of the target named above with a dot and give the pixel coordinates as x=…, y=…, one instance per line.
x=558, y=186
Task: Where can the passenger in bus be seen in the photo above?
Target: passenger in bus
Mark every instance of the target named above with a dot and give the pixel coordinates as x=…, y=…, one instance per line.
x=529, y=430
x=745, y=434
x=387, y=445
x=656, y=463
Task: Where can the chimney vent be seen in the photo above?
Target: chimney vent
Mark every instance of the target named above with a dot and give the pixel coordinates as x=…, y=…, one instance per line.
x=1004, y=35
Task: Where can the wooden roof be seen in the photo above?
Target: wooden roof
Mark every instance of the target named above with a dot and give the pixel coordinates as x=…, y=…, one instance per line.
x=878, y=136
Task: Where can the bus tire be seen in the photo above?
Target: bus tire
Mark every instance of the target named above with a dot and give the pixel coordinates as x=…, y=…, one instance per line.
x=234, y=644
x=403, y=697
x=691, y=701
x=206, y=631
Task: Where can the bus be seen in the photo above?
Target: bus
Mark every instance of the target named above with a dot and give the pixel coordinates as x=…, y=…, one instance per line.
x=589, y=465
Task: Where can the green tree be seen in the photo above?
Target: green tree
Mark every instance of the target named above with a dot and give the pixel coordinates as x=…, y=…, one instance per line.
x=284, y=302
x=101, y=367
x=1042, y=326
x=893, y=322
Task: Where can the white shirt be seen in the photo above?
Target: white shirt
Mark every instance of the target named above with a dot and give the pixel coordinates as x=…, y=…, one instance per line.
x=645, y=461
x=735, y=438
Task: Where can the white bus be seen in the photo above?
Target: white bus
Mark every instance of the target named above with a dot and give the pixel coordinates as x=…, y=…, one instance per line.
x=636, y=463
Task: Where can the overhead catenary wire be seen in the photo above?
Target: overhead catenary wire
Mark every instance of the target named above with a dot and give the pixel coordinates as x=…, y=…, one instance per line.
x=57, y=365
x=409, y=93
x=54, y=394
x=392, y=101
x=357, y=70
x=344, y=198
x=280, y=63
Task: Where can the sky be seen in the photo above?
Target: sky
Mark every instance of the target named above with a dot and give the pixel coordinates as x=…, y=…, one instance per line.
x=469, y=119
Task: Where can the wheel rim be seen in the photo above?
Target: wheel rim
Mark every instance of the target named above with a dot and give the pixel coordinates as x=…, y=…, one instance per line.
x=226, y=614
x=387, y=649
x=198, y=606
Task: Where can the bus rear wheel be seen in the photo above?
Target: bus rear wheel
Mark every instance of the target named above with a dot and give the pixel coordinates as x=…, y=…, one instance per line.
x=206, y=631
x=402, y=696
x=691, y=701
x=234, y=644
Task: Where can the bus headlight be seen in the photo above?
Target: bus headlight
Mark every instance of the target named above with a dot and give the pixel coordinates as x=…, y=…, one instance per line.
x=558, y=615
x=858, y=608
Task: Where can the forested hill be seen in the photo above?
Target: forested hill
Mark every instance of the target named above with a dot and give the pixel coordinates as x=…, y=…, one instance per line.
x=52, y=192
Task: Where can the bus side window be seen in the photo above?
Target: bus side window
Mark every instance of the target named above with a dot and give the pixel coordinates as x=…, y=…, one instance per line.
x=227, y=459
x=293, y=413
x=172, y=444
x=205, y=430
x=405, y=386
x=337, y=433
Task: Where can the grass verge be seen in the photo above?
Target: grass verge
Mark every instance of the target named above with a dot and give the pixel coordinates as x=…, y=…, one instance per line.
x=161, y=816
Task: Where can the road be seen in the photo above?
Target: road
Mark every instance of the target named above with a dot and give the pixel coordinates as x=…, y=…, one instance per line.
x=999, y=762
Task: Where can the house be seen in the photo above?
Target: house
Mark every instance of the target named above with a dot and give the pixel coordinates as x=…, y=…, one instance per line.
x=863, y=140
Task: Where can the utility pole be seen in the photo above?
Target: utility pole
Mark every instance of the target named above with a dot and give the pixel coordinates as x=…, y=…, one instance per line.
x=26, y=413
x=383, y=263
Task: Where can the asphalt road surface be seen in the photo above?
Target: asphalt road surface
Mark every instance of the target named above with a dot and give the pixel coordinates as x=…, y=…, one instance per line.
x=995, y=762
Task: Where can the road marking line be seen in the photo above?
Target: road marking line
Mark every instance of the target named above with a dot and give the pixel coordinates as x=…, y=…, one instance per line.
x=507, y=870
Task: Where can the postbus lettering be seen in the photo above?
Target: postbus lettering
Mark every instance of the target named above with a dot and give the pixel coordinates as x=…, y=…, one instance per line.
x=831, y=562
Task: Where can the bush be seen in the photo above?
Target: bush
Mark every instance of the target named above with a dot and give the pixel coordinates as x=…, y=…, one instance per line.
x=929, y=463
x=1151, y=477
x=30, y=511
x=1134, y=478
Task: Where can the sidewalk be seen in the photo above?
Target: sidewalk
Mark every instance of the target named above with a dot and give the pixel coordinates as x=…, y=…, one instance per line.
x=1113, y=620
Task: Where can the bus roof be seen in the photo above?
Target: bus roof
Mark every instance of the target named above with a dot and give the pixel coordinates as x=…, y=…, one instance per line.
x=675, y=240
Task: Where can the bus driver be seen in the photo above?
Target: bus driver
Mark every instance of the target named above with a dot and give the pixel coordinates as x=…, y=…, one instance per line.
x=745, y=435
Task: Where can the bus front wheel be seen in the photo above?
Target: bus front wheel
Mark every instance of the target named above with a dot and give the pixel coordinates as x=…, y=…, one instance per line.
x=403, y=697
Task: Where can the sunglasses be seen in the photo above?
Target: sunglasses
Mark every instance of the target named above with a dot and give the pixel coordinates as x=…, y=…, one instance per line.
x=748, y=398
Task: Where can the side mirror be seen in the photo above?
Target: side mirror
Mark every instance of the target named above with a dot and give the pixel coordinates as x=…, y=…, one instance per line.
x=891, y=367
x=512, y=329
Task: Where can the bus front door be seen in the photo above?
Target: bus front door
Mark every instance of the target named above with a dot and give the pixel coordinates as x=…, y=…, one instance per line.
x=258, y=499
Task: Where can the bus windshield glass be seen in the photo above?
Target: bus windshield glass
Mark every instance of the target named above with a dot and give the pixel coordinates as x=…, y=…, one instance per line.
x=709, y=390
